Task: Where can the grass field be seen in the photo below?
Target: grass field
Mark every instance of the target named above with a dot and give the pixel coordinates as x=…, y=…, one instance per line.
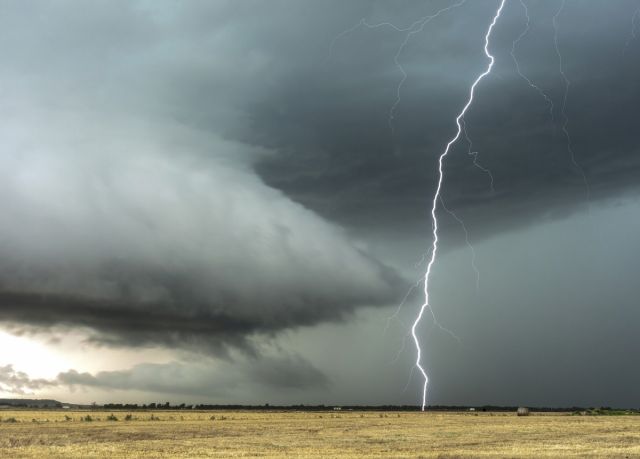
x=157, y=434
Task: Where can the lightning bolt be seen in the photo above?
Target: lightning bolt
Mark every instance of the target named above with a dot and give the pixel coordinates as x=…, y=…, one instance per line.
x=565, y=118
x=436, y=197
x=517, y=64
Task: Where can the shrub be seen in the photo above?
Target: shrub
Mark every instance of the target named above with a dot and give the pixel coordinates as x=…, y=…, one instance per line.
x=112, y=417
x=87, y=418
x=128, y=417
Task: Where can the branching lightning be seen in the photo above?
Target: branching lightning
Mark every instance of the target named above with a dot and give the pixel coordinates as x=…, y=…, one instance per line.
x=517, y=64
x=436, y=197
x=401, y=304
x=395, y=315
x=416, y=27
x=635, y=20
x=565, y=118
x=474, y=154
x=467, y=240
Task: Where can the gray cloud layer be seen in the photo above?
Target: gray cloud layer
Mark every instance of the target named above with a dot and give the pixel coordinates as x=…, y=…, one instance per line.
x=204, y=379
x=148, y=243
x=122, y=218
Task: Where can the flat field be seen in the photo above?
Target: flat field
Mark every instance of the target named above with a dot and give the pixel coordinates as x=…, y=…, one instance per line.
x=159, y=434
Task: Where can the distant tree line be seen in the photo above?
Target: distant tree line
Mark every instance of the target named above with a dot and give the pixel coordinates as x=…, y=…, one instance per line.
x=54, y=404
x=302, y=407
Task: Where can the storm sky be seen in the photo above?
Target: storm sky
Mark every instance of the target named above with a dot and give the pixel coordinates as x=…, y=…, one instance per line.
x=215, y=202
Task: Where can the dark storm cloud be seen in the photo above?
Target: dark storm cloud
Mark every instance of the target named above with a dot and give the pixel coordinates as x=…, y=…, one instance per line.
x=124, y=215
x=126, y=323
x=343, y=160
x=154, y=248
x=195, y=174
x=265, y=75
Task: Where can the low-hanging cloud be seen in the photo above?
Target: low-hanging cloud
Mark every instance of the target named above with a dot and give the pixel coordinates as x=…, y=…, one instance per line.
x=144, y=239
x=18, y=382
x=206, y=379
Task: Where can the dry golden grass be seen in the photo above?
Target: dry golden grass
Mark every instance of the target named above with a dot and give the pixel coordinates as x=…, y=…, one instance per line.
x=318, y=434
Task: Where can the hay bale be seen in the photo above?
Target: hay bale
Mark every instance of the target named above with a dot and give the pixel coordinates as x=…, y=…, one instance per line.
x=523, y=411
